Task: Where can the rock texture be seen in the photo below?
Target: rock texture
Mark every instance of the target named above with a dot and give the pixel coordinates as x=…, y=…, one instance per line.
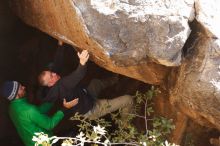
x=136, y=38
x=197, y=91
x=208, y=14
x=138, y=29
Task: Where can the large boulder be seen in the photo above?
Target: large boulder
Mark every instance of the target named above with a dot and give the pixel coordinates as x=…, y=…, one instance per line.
x=136, y=38
x=196, y=92
x=138, y=29
x=197, y=89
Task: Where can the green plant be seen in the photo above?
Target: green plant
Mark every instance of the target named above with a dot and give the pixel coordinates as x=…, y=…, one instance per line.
x=156, y=128
x=188, y=140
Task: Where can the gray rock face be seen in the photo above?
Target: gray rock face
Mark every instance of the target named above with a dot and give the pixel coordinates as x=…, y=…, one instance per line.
x=130, y=31
x=208, y=14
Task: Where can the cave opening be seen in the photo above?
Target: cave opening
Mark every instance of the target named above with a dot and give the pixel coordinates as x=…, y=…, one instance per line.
x=24, y=51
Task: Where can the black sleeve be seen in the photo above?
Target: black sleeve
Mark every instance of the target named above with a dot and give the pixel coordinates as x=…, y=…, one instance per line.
x=74, y=78
x=58, y=61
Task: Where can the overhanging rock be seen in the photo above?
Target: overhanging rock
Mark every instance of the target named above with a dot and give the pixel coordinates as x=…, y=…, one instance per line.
x=136, y=38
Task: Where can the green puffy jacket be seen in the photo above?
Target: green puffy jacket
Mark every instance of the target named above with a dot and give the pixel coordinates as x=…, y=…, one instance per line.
x=29, y=119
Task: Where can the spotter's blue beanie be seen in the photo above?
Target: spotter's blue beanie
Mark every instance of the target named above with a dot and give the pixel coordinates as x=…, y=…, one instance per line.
x=10, y=89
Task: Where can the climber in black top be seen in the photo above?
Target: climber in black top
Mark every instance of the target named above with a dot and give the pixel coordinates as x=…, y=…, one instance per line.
x=68, y=87
x=55, y=66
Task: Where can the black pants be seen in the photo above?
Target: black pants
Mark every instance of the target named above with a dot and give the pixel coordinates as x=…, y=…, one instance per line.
x=96, y=85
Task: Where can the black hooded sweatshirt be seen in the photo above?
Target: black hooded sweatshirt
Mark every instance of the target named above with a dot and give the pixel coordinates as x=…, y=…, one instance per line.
x=68, y=88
